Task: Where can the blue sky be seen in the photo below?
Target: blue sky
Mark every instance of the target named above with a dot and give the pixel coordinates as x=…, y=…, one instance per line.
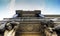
x=7, y=7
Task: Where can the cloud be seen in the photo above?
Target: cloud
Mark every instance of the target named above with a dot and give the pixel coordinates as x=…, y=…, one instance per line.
x=29, y=4
x=7, y=10
x=8, y=7
x=11, y=8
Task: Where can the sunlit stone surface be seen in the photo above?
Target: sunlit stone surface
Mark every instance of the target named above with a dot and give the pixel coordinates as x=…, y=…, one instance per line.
x=9, y=33
x=30, y=24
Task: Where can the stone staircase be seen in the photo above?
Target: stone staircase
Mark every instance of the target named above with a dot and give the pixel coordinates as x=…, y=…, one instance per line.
x=30, y=25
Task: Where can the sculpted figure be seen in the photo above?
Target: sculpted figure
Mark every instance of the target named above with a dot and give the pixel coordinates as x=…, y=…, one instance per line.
x=48, y=26
x=10, y=29
x=57, y=30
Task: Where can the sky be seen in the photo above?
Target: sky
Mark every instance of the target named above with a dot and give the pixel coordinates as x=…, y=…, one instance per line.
x=8, y=7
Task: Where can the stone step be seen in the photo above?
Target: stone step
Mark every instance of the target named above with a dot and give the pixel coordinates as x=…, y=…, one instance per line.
x=27, y=12
x=28, y=15
x=29, y=34
x=30, y=22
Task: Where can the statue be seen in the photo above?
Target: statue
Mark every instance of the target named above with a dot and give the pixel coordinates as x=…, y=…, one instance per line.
x=57, y=30
x=10, y=29
x=48, y=25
